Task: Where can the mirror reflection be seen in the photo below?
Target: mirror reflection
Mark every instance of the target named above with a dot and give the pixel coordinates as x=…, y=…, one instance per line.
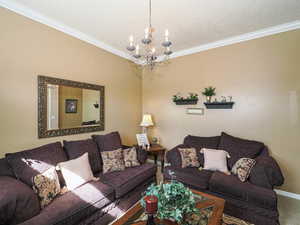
x=69, y=107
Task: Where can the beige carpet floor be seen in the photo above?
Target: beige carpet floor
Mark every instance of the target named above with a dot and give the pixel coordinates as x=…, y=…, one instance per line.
x=289, y=209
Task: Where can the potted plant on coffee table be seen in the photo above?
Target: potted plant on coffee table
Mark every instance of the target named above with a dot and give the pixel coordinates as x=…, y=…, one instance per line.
x=175, y=201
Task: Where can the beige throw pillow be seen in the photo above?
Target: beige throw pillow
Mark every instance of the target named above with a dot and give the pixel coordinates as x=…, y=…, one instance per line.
x=76, y=171
x=130, y=157
x=113, y=161
x=215, y=160
x=47, y=186
x=188, y=157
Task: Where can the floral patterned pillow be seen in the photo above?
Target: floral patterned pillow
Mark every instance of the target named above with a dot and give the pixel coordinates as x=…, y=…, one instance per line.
x=130, y=157
x=113, y=161
x=47, y=186
x=242, y=168
x=188, y=157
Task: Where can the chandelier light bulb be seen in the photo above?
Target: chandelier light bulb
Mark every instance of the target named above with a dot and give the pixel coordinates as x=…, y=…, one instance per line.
x=137, y=49
x=153, y=50
x=130, y=40
x=131, y=47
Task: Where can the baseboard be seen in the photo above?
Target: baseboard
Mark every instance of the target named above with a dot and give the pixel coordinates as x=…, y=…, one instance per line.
x=288, y=194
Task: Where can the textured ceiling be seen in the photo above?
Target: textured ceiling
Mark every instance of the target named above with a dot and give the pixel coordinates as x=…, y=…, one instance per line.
x=190, y=22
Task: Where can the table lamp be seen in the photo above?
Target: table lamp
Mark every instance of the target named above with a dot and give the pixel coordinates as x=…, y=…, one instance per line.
x=146, y=122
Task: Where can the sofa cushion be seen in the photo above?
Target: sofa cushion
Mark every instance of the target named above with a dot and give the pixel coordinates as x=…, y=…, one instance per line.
x=193, y=177
x=5, y=169
x=74, y=149
x=231, y=186
x=75, y=205
x=126, y=180
x=108, y=142
x=239, y=148
x=18, y=202
x=29, y=163
x=201, y=142
x=266, y=173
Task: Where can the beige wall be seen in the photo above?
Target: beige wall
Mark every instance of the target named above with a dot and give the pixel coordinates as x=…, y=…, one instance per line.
x=27, y=49
x=262, y=75
x=67, y=120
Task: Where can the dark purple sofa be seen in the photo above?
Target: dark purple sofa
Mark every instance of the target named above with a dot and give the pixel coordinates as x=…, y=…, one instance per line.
x=96, y=202
x=254, y=200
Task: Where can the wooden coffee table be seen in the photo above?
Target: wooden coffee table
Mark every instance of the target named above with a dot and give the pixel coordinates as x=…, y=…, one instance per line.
x=211, y=205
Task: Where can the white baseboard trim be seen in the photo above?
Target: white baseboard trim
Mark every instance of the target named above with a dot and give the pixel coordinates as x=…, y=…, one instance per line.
x=288, y=194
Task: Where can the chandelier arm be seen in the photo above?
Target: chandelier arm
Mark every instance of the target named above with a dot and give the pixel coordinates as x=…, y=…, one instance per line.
x=150, y=12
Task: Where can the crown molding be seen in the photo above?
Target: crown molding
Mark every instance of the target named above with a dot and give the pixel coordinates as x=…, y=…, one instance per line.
x=25, y=11
x=288, y=194
x=240, y=38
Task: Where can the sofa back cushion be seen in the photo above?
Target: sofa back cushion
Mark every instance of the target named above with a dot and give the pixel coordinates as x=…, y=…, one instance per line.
x=29, y=163
x=239, y=148
x=108, y=142
x=201, y=142
x=5, y=169
x=75, y=149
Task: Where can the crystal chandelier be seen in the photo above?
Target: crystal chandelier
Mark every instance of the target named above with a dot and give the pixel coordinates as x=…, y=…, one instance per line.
x=148, y=55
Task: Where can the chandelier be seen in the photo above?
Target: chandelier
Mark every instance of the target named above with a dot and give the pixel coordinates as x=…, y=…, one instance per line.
x=146, y=54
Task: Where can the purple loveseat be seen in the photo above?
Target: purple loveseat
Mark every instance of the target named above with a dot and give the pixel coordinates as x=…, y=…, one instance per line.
x=96, y=202
x=253, y=200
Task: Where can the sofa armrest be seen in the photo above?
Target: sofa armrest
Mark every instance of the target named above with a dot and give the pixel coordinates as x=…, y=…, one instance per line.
x=18, y=202
x=266, y=173
x=173, y=156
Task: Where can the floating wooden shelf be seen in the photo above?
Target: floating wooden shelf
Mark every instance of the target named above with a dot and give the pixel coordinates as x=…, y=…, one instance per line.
x=218, y=105
x=186, y=102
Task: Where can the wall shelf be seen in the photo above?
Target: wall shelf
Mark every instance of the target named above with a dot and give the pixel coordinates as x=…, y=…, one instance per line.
x=186, y=102
x=219, y=105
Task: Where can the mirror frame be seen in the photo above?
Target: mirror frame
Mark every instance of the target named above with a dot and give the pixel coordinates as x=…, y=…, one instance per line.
x=43, y=132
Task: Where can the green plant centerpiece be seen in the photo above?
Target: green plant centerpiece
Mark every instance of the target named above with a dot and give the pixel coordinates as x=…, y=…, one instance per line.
x=209, y=92
x=175, y=201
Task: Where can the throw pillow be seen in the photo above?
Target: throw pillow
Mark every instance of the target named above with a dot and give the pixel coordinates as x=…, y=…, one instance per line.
x=239, y=148
x=188, y=157
x=215, y=160
x=47, y=186
x=113, y=161
x=242, y=168
x=130, y=157
x=76, y=171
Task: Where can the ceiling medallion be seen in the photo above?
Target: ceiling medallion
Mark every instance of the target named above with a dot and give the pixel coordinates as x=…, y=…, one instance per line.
x=146, y=54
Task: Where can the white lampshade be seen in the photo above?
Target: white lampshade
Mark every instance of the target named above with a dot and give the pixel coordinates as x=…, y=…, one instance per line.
x=147, y=121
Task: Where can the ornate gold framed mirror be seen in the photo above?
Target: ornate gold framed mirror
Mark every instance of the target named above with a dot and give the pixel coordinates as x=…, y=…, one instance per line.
x=68, y=107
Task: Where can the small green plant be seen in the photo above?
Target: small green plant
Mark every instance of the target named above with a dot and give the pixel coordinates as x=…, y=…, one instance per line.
x=175, y=201
x=209, y=91
x=191, y=96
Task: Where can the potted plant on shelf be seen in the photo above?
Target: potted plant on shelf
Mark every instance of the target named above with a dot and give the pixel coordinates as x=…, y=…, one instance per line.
x=209, y=92
x=192, y=99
